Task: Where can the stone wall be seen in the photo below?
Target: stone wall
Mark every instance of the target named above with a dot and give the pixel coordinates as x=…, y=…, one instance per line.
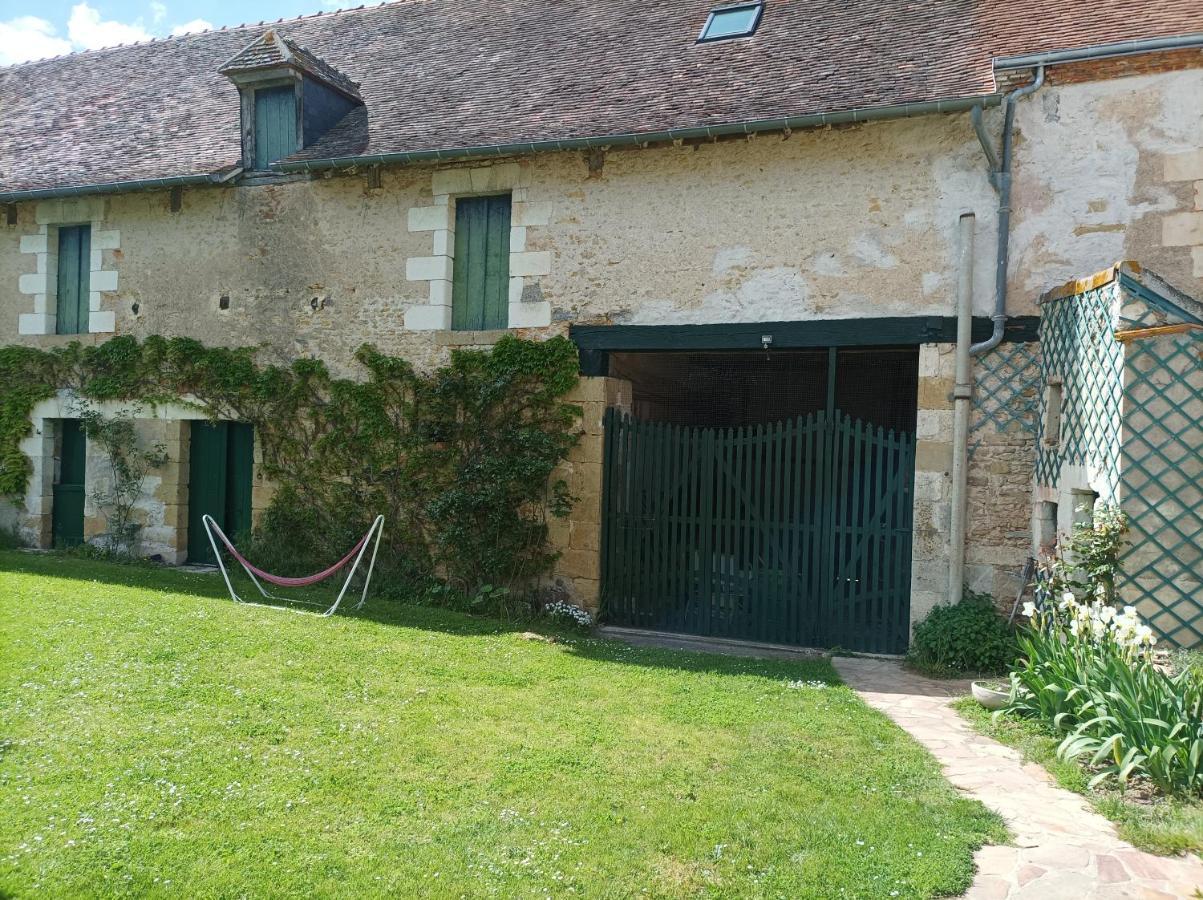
x=162, y=510
x=577, y=573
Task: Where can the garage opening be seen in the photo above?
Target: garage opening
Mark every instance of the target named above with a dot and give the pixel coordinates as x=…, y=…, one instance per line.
x=763, y=496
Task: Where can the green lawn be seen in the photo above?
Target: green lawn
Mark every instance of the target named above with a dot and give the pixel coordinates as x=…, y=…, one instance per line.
x=160, y=740
x=1157, y=825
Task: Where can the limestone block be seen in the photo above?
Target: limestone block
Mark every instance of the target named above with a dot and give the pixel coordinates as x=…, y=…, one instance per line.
x=34, y=243
x=1184, y=166
x=586, y=593
x=1196, y=256
x=1182, y=229
x=32, y=283
x=586, y=536
x=579, y=564
x=444, y=244
x=428, y=268
x=428, y=318
x=429, y=218
x=104, y=281
x=935, y=393
x=530, y=315
x=517, y=239
x=514, y=293
x=588, y=388
x=69, y=210
x=36, y=323
x=440, y=292
x=451, y=181
x=94, y=301
x=933, y=456
x=933, y=424
x=530, y=263
x=102, y=322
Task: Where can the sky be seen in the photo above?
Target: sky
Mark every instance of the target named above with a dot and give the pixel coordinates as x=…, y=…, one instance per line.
x=35, y=29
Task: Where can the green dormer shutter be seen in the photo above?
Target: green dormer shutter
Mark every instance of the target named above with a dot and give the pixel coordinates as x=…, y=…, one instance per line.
x=275, y=124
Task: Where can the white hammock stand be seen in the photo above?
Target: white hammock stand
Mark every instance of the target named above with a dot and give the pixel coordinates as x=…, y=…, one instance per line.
x=213, y=530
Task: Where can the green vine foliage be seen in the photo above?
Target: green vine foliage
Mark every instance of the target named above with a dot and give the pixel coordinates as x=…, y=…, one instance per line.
x=459, y=460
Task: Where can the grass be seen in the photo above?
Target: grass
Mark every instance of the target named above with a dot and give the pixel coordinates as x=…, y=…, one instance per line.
x=1159, y=825
x=159, y=740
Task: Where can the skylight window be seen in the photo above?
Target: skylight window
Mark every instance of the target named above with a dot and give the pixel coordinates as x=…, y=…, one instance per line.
x=731, y=22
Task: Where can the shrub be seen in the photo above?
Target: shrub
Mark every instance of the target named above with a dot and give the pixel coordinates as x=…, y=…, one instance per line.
x=969, y=636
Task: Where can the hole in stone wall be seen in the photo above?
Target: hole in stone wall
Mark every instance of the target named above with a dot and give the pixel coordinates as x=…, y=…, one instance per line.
x=224, y=302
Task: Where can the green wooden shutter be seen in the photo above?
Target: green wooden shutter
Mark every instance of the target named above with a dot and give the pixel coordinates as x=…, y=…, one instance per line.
x=480, y=294
x=67, y=514
x=74, y=268
x=206, y=485
x=240, y=461
x=275, y=124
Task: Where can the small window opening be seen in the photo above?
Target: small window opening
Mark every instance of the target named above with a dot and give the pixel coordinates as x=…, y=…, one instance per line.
x=731, y=22
x=1053, y=394
x=1083, y=510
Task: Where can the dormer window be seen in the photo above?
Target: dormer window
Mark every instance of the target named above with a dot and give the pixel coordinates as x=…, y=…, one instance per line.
x=726, y=22
x=275, y=124
x=290, y=99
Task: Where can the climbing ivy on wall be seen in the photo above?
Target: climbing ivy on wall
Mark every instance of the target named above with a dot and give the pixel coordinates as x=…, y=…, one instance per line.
x=459, y=460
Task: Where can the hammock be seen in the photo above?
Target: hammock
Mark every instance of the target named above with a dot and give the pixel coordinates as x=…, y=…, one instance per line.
x=357, y=553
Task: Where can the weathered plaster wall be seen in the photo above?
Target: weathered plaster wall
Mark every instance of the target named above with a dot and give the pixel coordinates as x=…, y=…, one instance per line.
x=847, y=222
x=1104, y=171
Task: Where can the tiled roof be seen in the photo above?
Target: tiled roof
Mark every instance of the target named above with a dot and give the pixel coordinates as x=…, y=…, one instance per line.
x=271, y=50
x=443, y=74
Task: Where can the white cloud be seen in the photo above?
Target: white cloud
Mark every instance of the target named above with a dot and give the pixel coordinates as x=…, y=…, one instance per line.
x=192, y=27
x=28, y=37
x=158, y=11
x=89, y=32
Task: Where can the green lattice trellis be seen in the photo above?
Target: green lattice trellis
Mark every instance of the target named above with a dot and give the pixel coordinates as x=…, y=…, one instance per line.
x=1162, y=470
x=1007, y=392
x=1078, y=346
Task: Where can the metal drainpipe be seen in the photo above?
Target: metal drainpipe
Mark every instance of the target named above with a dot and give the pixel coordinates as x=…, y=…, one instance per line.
x=1001, y=179
x=961, y=393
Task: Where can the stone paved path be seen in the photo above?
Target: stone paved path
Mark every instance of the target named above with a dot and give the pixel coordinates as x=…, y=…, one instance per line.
x=1063, y=849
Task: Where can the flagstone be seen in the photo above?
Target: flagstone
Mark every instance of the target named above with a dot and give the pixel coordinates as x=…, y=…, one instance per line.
x=1061, y=848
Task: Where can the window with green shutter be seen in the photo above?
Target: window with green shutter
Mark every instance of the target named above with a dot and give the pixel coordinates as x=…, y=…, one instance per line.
x=480, y=291
x=74, y=266
x=275, y=124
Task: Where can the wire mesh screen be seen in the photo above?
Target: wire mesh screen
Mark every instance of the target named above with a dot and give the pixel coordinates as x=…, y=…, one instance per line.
x=734, y=389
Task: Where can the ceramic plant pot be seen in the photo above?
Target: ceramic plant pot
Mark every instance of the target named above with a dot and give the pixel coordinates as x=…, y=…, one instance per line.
x=990, y=697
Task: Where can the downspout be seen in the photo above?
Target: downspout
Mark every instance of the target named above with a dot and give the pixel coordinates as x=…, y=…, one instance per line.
x=962, y=392
x=1000, y=177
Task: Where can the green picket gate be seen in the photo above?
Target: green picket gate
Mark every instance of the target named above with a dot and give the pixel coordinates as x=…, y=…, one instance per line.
x=797, y=532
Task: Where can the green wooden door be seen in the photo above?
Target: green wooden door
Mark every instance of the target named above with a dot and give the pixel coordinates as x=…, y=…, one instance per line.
x=220, y=466
x=74, y=279
x=67, y=514
x=480, y=291
x=797, y=532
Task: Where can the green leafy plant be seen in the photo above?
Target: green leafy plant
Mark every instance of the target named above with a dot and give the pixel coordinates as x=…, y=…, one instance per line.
x=1087, y=671
x=127, y=463
x=969, y=636
x=459, y=460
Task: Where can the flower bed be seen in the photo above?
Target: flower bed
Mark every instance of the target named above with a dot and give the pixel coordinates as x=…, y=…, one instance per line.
x=1087, y=670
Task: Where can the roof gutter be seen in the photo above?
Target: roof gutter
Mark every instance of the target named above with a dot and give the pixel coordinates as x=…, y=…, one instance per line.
x=757, y=126
x=1101, y=51
x=116, y=187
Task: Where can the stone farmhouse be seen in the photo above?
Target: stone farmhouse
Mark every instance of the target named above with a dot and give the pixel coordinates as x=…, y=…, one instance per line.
x=813, y=254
